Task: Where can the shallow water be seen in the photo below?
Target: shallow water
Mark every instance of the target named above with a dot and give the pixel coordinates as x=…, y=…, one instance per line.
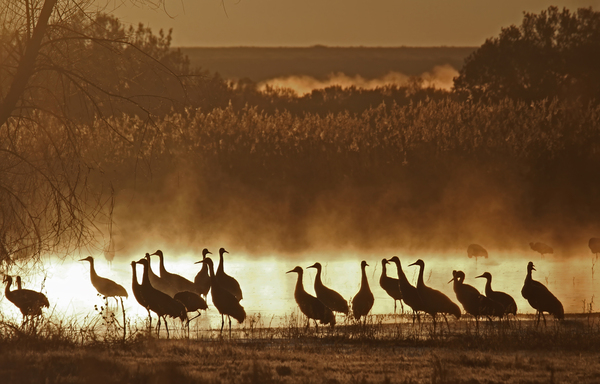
x=269, y=291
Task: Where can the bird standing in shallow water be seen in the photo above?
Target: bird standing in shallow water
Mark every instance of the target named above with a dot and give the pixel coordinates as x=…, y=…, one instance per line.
x=363, y=300
x=104, y=286
x=410, y=294
x=509, y=304
x=310, y=305
x=390, y=285
x=29, y=302
x=225, y=281
x=329, y=297
x=202, y=279
x=472, y=300
x=540, y=298
x=176, y=283
x=541, y=248
x=594, y=245
x=136, y=287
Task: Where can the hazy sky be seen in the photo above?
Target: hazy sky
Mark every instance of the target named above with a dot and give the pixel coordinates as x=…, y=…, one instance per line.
x=334, y=22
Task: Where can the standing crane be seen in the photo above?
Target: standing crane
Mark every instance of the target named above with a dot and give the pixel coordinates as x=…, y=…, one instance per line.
x=410, y=294
x=310, y=305
x=136, y=287
x=225, y=302
x=472, y=300
x=225, y=281
x=540, y=298
x=158, y=282
x=390, y=285
x=176, y=282
x=509, y=304
x=202, y=279
x=104, y=286
x=363, y=300
x=434, y=301
x=327, y=296
x=594, y=245
x=476, y=250
x=541, y=248
x=29, y=302
x=159, y=302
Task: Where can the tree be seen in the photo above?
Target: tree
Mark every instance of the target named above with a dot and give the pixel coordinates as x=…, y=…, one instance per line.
x=551, y=54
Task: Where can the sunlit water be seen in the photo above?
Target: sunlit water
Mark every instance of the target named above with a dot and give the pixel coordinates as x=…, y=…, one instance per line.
x=269, y=291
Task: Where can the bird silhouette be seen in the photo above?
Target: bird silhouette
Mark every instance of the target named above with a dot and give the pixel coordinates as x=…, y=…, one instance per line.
x=18, y=279
x=594, y=245
x=192, y=301
x=177, y=283
x=541, y=248
x=157, y=282
x=104, y=286
x=225, y=281
x=473, y=302
x=327, y=296
x=434, y=301
x=225, y=302
x=476, y=250
x=540, y=298
x=310, y=305
x=509, y=304
x=410, y=294
x=202, y=279
x=29, y=302
x=136, y=287
x=363, y=300
x=159, y=302
x=390, y=285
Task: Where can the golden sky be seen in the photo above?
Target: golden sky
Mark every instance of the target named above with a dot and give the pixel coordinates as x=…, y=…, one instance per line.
x=334, y=22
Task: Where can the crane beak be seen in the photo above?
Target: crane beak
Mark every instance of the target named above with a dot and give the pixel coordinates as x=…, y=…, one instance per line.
x=451, y=280
x=410, y=265
x=290, y=271
x=479, y=276
x=201, y=261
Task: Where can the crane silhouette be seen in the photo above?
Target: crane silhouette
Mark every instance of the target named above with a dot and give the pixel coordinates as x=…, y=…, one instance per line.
x=177, y=283
x=29, y=302
x=202, y=279
x=541, y=248
x=472, y=300
x=157, y=282
x=476, y=250
x=136, y=287
x=327, y=296
x=390, y=285
x=509, y=304
x=540, y=298
x=104, y=286
x=363, y=300
x=225, y=281
x=225, y=302
x=192, y=301
x=309, y=305
x=594, y=245
x=159, y=302
x=410, y=294
x=434, y=301
x=18, y=279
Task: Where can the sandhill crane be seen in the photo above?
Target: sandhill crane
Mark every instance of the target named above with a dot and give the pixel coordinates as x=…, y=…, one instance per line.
x=159, y=302
x=434, y=301
x=225, y=302
x=476, y=250
x=594, y=245
x=104, y=286
x=310, y=305
x=29, y=302
x=509, y=304
x=225, y=281
x=202, y=279
x=390, y=285
x=540, y=298
x=177, y=282
x=192, y=301
x=327, y=296
x=410, y=294
x=363, y=300
x=472, y=300
x=157, y=282
x=541, y=248
x=136, y=287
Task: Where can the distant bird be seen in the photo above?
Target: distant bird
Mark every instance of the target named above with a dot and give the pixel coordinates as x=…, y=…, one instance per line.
x=29, y=302
x=476, y=250
x=594, y=245
x=434, y=301
x=329, y=297
x=390, y=285
x=104, y=286
x=509, y=304
x=157, y=282
x=109, y=251
x=540, y=298
x=310, y=305
x=227, y=282
x=136, y=287
x=177, y=282
x=225, y=302
x=363, y=300
x=410, y=294
x=202, y=279
x=159, y=302
x=192, y=301
x=473, y=302
x=541, y=248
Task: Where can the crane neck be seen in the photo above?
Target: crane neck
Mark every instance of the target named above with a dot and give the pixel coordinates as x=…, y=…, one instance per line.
x=134, y=274
x=220, y=268
x=420, y=282
x=163, y=271
x=488, y=285
x=146, y=274
x=93, y=273
x=299, y=284
x=364, y=281
x=318, y=277
x=383, y=269
x=7, y=290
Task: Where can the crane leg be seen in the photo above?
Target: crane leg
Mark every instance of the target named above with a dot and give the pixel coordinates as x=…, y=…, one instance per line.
x=229, y=317
x=394, y=306
x=222, y=322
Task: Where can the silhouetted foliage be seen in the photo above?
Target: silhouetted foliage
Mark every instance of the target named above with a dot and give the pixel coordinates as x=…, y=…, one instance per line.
x=551, y=54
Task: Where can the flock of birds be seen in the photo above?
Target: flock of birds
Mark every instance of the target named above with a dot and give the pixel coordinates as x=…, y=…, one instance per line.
x=171, y=295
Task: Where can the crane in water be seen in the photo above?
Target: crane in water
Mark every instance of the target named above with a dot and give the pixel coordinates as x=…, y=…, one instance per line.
x=434, y=301
x=327, y=296
x=310, y=305
x=104, y=286
x=225, y=302
x=390, y=285
x=594, y=245
x=541, y=248
x=136, y=287
x=202, y=279
x=540, y=298
x=159, y=302
x=472, y=300
x=410, y=294
x=225, y=281
x=363, y=300
x=176, y=283
x=476, y=250
x=29, y=302
x=509, y=304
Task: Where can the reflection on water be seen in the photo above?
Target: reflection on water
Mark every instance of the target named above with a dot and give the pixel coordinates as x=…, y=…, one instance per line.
x=269, y=291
